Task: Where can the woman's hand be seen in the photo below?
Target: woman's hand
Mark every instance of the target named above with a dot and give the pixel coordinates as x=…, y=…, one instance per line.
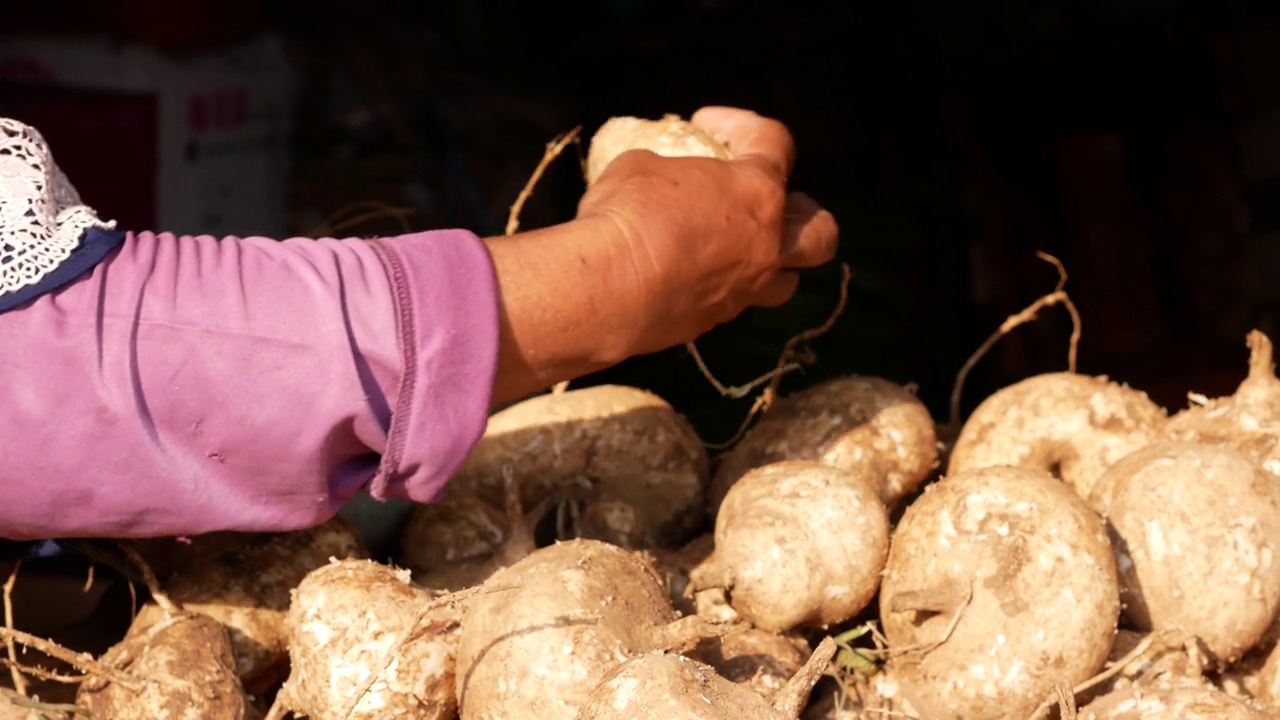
x=705, y=239
x=663, y=249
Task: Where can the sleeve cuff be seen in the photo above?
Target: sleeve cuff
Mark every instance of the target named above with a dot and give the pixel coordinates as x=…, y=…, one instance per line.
x=446, y=303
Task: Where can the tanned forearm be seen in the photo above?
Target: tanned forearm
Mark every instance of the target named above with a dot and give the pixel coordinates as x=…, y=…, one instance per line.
x=568, y=305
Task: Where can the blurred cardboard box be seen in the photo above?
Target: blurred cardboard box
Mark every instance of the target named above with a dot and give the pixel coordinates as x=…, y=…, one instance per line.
x=192, y=144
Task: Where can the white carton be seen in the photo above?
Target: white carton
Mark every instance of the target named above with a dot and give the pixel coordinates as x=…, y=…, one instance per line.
x=222, y=126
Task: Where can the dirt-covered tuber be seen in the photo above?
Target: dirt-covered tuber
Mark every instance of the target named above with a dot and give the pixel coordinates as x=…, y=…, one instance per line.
x=798, y=544
x=541, y=633
x=868, y=426
x=670, y=136
x=183, y=669
x=663, y=686
x=1069, y=425
x=633, y=463
x=1000, y=587
x=344, y=620
x=1196, y=531
x=245, y=581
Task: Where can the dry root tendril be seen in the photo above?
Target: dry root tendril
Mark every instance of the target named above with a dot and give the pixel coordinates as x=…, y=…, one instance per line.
x=81, y=661
x=45, y=708
x=1064, y=695
x=1057, y=297
x=793, y=357
x=19, y=682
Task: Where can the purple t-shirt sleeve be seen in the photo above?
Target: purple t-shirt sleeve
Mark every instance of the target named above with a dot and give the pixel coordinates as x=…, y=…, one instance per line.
x=194, y=384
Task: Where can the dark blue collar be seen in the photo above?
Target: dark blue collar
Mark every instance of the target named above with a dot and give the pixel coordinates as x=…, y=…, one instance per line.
x=95, y=245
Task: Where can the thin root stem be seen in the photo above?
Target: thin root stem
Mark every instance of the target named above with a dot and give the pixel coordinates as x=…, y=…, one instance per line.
x=153, y=584
x=787, y=361
x=45, y=708
x=1116, y=668
x=554, y=148
x=82, y=661
x=39, y=672
x=1057, y=297
x=1066, y=703
x=19, y=682
x=736, y=392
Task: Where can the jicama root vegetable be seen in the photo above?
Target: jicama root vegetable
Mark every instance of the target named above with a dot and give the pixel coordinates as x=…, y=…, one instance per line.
x=244, y=581
x=513, y=542
x=1196, y=531
x=185, y=668
x=636, y=464
x=670, y=136
x=761, y=660
x=1000, y=587
x=1248, y=421
x=457, y=529
x=540, y=634
x=798, y=543
x=662, y=686
x=1170, y=702
x=344, y=620
x=1071, y=426
x=869, y=426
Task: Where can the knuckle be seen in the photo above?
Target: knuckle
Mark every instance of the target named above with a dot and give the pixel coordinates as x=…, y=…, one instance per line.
x=772, y=206
x=768, y=189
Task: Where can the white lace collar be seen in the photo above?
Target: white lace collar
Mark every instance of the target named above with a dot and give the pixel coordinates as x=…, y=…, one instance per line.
x=41, y=216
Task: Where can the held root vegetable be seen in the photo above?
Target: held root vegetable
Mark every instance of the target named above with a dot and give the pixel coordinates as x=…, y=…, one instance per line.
x=669, y=136
x=636, y=464
x=798, y=544
x=185, y=668
x=1069, y=425
x=869, y=426
x=662, y=686
x=1247, y=421
x=244, y=581
x=540, y=634
x=1000, y=587
x=344, y=619
x=1196, y=532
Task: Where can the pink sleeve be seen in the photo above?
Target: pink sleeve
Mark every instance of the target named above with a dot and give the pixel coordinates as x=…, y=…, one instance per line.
x=193, y=384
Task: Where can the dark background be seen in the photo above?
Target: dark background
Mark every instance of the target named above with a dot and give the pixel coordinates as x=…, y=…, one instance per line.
x=1133, y=139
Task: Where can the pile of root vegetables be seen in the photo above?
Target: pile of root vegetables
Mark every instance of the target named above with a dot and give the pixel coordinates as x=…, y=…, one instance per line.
x=1076, y=552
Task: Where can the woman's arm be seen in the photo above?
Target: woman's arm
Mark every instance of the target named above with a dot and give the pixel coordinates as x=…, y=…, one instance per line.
x=195, y=384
